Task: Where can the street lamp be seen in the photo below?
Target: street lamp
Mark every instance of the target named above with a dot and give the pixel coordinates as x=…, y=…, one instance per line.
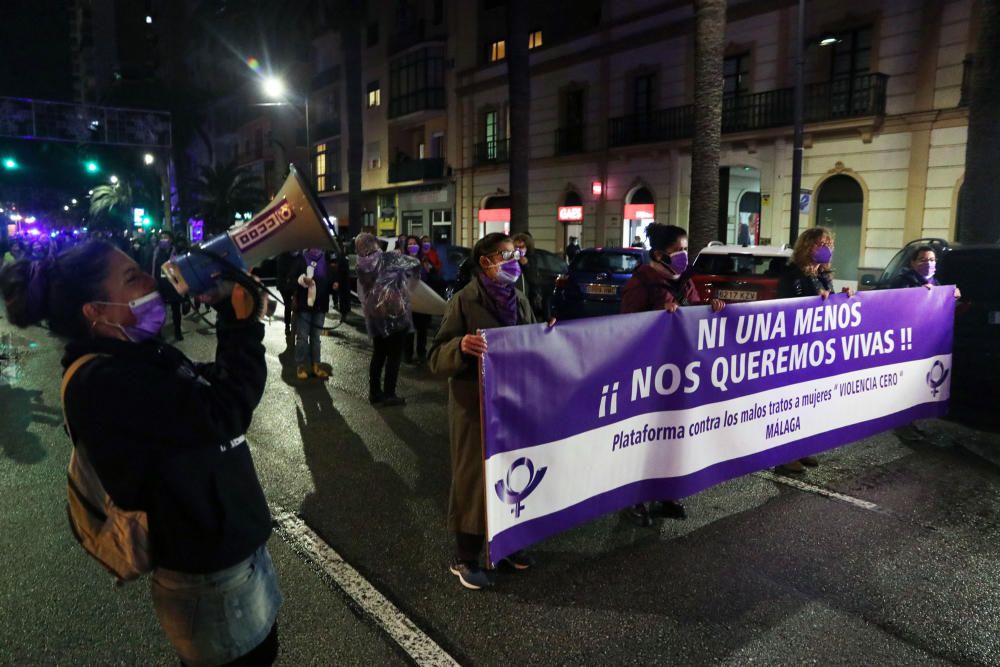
x=148, y=158
x=275, y=89
x=113, y=179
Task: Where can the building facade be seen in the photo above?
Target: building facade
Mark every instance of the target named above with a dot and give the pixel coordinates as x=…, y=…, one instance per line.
x=612, y=118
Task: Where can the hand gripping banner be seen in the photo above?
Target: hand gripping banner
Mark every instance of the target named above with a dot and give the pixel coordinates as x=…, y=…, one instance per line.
x=592, y=416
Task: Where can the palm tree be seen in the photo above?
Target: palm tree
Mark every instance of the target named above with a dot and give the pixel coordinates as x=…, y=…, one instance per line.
x=519, y=96
x=111, y=201
x=223, y=190
x=978, y=221
x=710, y=32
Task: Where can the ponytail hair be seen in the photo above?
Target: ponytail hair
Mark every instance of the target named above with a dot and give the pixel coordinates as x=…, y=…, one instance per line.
x=55, y=289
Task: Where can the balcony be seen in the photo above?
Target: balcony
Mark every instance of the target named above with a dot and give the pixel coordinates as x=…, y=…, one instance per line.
x=416, y=170
x=857, y=97
x=569, y=140
x=491, y=152
x=428, y=99
x=967, y=73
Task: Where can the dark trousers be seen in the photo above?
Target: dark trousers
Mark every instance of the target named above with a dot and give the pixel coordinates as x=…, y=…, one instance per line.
x=468, y=546
x=286, y=298
x=421, y=322
x=387, y=353
x=175, y=312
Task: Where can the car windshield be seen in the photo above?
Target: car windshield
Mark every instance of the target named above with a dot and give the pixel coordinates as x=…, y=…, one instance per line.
x=740, y=265
x=606, y=262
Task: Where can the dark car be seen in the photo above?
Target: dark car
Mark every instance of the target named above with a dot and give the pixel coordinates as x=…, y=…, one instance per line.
x=550, y=267
x=899, y=262
x=592, y=285
x=975, y=381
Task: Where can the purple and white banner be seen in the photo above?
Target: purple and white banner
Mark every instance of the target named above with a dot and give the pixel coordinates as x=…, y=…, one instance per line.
x=595, y=415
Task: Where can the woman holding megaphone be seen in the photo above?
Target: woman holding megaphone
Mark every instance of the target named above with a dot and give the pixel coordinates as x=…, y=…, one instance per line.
x=166, y=437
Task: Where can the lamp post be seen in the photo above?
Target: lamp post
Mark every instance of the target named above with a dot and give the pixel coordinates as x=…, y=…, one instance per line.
x=274, y=88
x=793, y=226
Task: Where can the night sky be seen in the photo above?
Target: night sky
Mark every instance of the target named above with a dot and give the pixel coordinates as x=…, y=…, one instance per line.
x=35, y=49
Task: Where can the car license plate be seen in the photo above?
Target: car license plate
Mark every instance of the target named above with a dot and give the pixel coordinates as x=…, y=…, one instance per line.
x=737, y=295
x=600, y=290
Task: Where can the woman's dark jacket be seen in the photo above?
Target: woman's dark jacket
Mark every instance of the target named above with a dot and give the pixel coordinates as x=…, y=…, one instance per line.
x=322, y=303
x=795, y=282
x=166, y=436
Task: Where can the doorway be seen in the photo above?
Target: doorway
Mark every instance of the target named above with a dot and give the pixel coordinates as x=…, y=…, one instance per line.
x=840, y=208
x=640, y=212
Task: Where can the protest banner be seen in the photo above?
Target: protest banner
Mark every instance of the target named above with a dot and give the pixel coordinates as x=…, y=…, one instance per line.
x=591, y=416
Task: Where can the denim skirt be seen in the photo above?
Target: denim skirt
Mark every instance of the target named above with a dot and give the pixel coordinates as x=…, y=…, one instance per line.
x=211, y=619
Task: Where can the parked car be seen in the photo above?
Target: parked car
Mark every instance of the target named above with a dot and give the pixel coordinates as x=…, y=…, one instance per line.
x=735, y=273
x=550, y=267
x=899, y=262
x=592, y=285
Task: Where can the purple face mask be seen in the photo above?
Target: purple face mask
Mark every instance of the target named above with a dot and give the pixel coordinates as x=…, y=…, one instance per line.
x=413, y=248
x=425, y=246
x=313, y=255
x=150, y=313
x=926, y=270
x=509, y=271
x=679, y=261
x=822, y=254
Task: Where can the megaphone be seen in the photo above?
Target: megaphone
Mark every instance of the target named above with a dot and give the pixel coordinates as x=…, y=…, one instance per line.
x=294, y=220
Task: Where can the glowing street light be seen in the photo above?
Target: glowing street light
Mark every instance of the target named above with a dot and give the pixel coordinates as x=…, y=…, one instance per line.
x=113, y=179
x=148, y=158
x=66, y=207
x=73, y=201
x=92, y=167
x=273, y=87
x=9, y=163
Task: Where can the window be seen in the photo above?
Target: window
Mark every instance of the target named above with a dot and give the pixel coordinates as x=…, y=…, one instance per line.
x=642, y=95
x=416, y=81
x=320, y=167
x=736, y=75
x=374, y=151
x=498, y=50
x=850, y=61
x=437, y=144
x=492, y=134
x=441, y=216
x=372, y=34
x=438, y=16
x=535, y=39
x=374, y=95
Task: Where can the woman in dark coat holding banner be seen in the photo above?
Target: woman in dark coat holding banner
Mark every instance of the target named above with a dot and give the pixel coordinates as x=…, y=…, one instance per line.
x=662, y=285
x=488, y=301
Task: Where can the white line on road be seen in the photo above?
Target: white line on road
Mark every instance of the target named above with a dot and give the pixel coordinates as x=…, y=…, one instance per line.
x=421, y=648
x=820, y=491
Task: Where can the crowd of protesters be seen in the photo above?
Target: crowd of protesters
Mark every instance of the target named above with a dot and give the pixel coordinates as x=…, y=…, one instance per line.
x=103, y=294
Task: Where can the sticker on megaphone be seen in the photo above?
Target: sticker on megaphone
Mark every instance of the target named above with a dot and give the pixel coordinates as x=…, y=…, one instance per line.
x=294, y=220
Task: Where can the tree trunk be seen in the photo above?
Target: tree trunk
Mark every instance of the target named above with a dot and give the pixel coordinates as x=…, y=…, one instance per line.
x=519, y=95
x=978, y=221
x=710, y=33
x=350, y=35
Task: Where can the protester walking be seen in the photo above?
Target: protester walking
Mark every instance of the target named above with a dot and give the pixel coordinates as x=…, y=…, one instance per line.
x=384, y=281
x=163, y=251
x=808, y=274
x=661, y=284
x=488, y=301
x=166, y=436
x=415, y=349
x=311, y=276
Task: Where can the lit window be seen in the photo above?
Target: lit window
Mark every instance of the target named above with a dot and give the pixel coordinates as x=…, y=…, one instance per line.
x=535, y=39
x=374, y=155
x=374, y=95
x=321, y=167
x=498, y=51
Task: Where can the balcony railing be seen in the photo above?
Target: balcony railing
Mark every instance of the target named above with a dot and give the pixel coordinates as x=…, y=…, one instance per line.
x=569, y=140
x=968, y=70
x=497, y=150
x=855, y=97
x=416, y=170
x=428, y=99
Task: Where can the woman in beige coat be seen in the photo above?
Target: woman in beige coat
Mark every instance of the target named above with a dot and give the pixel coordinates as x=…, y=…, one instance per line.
x=488, y=301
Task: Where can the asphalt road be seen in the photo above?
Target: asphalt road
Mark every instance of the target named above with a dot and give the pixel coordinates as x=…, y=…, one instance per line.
x=900, y=569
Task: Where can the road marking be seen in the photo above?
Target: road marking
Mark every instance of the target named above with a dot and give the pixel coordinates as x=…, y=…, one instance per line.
x=422, y=649
x=820, y=491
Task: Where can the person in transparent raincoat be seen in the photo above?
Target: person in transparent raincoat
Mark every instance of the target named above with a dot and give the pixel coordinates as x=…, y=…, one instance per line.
x=384, y=283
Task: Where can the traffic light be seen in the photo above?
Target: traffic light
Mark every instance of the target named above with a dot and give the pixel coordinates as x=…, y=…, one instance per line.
x=9, y=163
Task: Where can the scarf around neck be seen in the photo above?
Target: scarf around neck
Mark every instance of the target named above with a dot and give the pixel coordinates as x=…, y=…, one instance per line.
x=504, y=298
